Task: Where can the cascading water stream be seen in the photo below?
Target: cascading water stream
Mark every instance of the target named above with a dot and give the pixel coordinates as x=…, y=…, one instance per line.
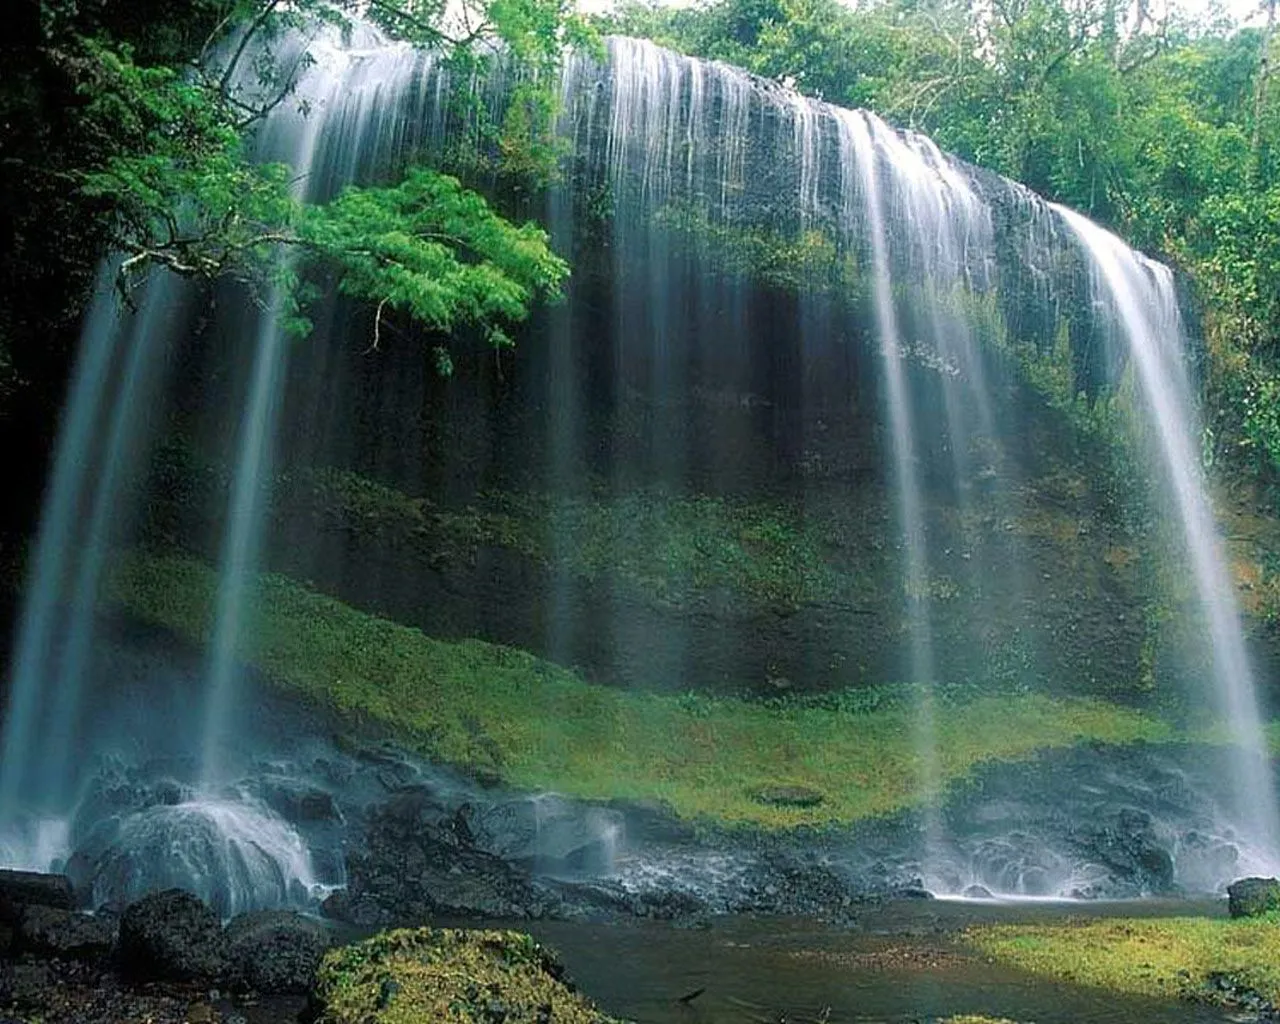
x=342, y=97
x=859, y=157
x=1141, y=294
x=38, y=627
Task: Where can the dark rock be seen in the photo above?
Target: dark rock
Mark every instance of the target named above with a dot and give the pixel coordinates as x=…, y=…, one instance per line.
x=171, y=935
x=1250, y=897
x=548, y=834
x=19, y=889
x=275, y=952
x=1128, y=846
x=336, y=906
x=1228, y=988
x=788, y=796
x=25, y=983
x=298, y=801
x=65, y=933
x=652, y=821
x=978, y=892
x=910, y=892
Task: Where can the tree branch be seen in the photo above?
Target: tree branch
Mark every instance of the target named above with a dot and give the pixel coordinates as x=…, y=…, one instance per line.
x=254, y=27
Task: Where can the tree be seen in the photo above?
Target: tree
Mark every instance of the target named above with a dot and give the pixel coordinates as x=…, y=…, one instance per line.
x=171, y=171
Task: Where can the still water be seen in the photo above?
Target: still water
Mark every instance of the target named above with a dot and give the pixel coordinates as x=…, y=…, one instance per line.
x=899, y=962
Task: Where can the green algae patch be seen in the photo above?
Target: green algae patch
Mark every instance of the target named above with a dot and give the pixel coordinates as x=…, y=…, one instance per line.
x=539, y=726
x=971, y=1018
x=448, y=976
x=1203, y=959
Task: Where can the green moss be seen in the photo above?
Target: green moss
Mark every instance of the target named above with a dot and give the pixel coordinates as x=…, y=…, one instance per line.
x=447, y=976
x=542, y=727
x=973, y=1018
x=1166, y=957
x=672, y=547
x=668, y=548
x=793, y=259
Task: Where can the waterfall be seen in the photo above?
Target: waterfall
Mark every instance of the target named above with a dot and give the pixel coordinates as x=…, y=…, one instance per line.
x=1140, y=293
x=778, y=296
x=104, y=432
x=345, y=102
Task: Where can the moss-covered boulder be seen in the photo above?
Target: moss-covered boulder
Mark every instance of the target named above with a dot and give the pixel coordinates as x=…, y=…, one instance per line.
x=1252, y=897
x=448, y=976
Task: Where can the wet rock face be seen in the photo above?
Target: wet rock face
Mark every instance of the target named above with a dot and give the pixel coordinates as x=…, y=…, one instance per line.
x=275, y=952
x=172, y=935
x=1252, y=897
x=1129, y=848
x=20, y=889
x=53, y=931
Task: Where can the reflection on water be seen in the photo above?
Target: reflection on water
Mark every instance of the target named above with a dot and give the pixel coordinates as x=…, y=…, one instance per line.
x=901, y=963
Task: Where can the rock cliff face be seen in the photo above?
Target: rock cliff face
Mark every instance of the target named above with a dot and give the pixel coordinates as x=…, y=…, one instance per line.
x=685, y=475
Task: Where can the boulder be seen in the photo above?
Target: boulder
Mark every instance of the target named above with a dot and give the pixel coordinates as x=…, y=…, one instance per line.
x=447, y=974
x=172, y=935
x=548, y=834
x=275, y=952
x=1126, y=844
x=26, y=983
x=652, y=821
x=52, y=931
x=19, y=889
x=1250, y=897
x=788, y=796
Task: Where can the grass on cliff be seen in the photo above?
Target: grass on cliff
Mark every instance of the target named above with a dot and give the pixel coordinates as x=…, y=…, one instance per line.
x=1167, y=957
x=542, y=727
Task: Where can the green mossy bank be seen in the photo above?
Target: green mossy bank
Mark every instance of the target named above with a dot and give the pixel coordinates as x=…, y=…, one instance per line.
x=449, y=976
x=500, y=710
x=1202, y=959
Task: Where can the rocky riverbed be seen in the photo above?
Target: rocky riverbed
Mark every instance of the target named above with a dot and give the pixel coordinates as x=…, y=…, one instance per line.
x=168, y=959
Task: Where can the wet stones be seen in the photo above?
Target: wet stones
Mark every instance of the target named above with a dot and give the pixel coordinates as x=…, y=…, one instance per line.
x=172, y=935
x=1252, y=897
x=53, y=931
x=275, y=952
x=20, y=889
x=1126, y=844
x=36, y=916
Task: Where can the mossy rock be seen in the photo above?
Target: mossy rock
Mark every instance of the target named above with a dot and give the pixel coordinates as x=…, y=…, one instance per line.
x=1253, y=897
x=788, y=796
x=448, y=976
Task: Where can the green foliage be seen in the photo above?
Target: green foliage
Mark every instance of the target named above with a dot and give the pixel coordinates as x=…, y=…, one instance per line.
x=1162, y=958
x=168, y=145
x=435, y=250
x=542, y=727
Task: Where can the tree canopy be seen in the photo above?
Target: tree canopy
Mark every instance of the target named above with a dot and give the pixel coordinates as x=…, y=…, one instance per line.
x=167, y=129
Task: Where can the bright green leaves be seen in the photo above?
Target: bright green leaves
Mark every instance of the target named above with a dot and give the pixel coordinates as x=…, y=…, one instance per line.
x=435, y=251
x=172, y=166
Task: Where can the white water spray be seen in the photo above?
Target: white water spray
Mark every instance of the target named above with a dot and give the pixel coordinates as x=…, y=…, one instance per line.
x=1141, y=294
